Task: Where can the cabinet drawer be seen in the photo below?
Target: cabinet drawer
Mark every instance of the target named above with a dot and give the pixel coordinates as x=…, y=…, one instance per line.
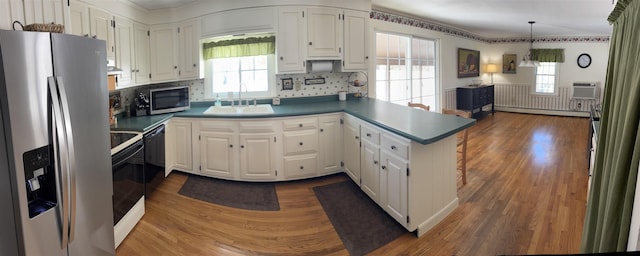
x=300, y=142
x=370, y=134
x=300, y=166
x=395, y=145
x=300, y=124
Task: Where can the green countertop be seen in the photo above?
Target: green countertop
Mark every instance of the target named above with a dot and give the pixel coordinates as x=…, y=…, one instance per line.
x=417, y=125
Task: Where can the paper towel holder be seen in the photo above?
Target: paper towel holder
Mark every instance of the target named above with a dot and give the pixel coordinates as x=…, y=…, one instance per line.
x=317, y=66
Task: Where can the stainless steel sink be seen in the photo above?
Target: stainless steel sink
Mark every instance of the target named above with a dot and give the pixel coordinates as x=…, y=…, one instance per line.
x=239, y=110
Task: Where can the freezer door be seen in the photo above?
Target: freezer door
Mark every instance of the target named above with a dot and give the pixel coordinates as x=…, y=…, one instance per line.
x=26, y=65
x=8, y=234
x=80, y=68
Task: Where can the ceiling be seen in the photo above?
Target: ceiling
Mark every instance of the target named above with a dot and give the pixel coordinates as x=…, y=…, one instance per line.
x=490, y=18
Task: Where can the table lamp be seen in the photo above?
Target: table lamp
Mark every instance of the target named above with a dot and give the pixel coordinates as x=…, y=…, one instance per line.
x=492, y=68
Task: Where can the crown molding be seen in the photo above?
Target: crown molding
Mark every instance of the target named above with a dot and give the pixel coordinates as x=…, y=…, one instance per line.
x=407, y=20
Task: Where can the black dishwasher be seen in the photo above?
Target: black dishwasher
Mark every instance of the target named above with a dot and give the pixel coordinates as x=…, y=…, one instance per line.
x=153, y=159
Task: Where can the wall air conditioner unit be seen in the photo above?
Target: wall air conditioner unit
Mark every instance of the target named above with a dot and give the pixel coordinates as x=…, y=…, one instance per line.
x=584, y=91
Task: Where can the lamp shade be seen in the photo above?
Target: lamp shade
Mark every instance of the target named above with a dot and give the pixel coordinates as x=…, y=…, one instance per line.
x=492, y=68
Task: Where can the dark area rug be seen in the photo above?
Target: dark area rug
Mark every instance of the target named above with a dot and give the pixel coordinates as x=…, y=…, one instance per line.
x=237, y=194
x=361, y=224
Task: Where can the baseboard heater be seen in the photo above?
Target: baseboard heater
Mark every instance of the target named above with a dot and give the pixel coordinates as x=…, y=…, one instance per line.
x=584, y=91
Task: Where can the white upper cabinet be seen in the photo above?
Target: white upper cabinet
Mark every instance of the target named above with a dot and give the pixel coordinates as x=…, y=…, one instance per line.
x=43, y=11
x=141, y=72
x=102, y=28
x=189, y=67
x=79, y=18
x=324, y=33
x=163, y=48
x=356, y=41
x=11, y=10
x=125, y=55
x=290, y=40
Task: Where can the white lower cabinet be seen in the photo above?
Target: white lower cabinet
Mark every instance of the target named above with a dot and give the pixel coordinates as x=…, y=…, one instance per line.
x=393, y=186
x=218, y=153
x=370, y=170
x=178, y=144
x=329, y=144
x=257, y=156
x=351, y=147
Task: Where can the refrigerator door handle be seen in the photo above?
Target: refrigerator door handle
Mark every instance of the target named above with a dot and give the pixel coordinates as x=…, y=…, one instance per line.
x=60, y=152
x=71, y=155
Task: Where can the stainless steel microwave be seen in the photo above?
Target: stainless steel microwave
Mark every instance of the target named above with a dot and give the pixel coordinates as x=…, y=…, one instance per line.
x=167, y=100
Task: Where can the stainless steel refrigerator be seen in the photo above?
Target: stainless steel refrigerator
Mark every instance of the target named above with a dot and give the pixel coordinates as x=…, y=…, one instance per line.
x=55, y=163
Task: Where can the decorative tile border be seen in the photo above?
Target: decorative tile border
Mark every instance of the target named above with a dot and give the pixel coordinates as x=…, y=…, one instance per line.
x=395, y=18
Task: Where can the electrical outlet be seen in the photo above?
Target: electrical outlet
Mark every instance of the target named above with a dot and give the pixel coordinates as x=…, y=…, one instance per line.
x=579, y=105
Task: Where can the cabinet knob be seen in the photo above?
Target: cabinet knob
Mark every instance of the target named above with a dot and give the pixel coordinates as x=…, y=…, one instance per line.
x=366, y=57
x=375, y=162
x=393, y=147
x=383, y=167
x=301, y=167
x=94, y=37
x=194, y=65
x=231, y=145
x=321, y=130
x=86, y=35
x=310, y=43
x=357, y=138
x=301, y=143
x=281, y=57
x=368, y=134
x=241, y=146
x=300, y=125
x=175, y=67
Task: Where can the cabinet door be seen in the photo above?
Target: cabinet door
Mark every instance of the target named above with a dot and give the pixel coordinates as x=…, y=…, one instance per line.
x=11, y=10
x=141, y=48
x=218, y=154
x=178, y=146
x=351, y=146
x=291, y=40
x=189, y=51
x=163, y=47
x=79, y=17
x=102, y=28
x=324, y=33
x=330, y=144
x=356, y=40
x=257, y=156
x=393, y=186
x=124, y=51
x=44, y=11
x=370, y=174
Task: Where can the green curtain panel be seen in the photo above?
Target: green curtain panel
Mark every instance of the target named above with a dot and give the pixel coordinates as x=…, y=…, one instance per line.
x=548, y=55
x=610, y=201
x=251, y=46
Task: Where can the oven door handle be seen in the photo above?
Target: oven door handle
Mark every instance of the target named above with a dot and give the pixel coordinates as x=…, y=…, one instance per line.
x=127, y=154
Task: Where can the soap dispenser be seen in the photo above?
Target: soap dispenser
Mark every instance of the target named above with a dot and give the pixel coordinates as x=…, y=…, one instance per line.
x=218, y=103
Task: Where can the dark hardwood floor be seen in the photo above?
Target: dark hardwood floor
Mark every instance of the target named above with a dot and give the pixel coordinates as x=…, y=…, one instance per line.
x=525, y=194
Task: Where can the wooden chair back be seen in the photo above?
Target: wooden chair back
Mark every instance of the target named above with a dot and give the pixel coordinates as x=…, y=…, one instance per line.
x=462, y=141
x=418, y=105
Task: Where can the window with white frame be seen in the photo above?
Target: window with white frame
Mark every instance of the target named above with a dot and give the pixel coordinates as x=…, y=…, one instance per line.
x=546, y=78
x=240, y=68
x=406, y=69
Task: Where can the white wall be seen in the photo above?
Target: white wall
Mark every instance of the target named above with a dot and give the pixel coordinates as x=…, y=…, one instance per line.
x=569, y=72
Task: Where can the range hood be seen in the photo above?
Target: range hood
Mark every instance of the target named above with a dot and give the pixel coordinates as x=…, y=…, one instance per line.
x=112, y=69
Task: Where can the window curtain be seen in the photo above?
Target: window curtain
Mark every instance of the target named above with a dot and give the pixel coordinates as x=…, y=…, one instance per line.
x=610, y=201
x=251, y=46
x=548, y=55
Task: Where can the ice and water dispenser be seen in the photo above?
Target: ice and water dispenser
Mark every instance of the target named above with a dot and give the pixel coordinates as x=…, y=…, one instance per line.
x=40, y=177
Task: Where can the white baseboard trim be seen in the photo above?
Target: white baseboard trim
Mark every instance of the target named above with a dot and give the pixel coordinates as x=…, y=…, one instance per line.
x=542, y=111
x=436, y=218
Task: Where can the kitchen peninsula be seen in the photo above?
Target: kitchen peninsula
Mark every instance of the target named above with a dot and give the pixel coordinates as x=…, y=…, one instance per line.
x=403, y=158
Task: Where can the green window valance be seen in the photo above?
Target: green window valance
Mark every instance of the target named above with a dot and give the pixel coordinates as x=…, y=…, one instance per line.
x=251, y=46
x=548, y=55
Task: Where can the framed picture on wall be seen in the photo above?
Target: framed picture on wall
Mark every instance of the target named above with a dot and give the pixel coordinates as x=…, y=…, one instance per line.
x=468, y=63
x=287, y=84
x=509, y=63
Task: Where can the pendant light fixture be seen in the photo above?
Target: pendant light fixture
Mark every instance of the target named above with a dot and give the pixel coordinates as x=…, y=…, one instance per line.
x=527, y=60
